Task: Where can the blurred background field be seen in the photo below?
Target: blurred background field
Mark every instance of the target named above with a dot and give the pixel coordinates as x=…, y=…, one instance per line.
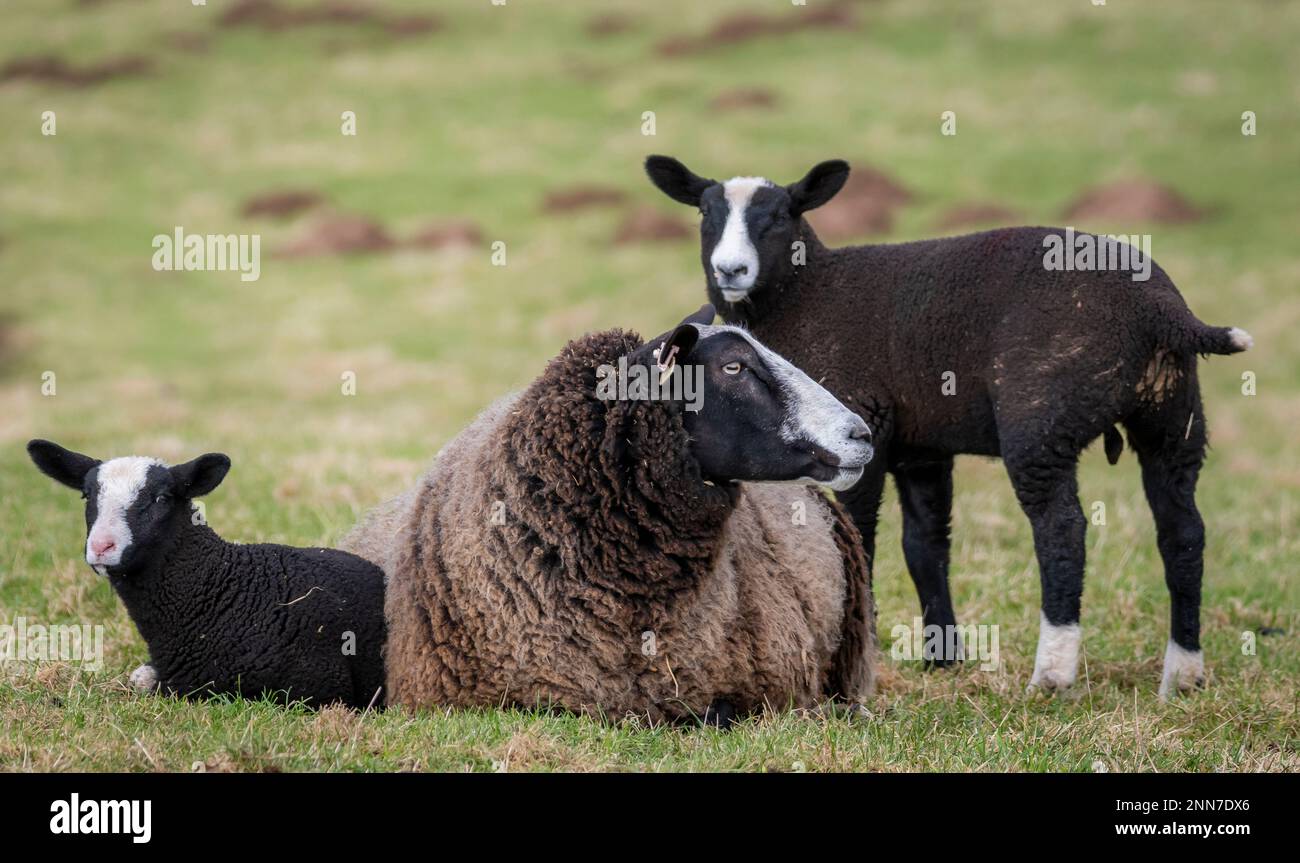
x=523, y=124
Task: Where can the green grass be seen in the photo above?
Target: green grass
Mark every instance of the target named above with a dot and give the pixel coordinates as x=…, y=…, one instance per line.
x=479, y=121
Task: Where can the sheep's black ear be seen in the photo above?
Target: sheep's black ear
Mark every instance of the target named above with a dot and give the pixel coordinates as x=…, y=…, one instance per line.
x=818, y=186
x=197, y=478
x=683, y=338
x=703, y=317
x=676, y=180
x=61, y=465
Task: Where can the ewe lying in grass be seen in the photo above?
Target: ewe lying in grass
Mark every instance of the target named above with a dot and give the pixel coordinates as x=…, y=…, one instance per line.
x=627, y=556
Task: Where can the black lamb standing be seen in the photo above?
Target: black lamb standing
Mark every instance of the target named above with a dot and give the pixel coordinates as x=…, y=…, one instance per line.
x=296, y=624
x=979, y=344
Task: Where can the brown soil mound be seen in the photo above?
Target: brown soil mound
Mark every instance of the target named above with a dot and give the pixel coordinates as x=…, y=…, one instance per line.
x=411, y=25
x=438, y=235
x=864, y=206
x=272, y=15
x=650, y=225
x=1133, y=201
x=187, y=41
x=743, y=26
x=746, y=26
x=676, y=46
x=582, y=198
x=50, y=69
x=340, y=235
x=743, y=97
x=609, y=24
x=282, y=203
x=976, y=214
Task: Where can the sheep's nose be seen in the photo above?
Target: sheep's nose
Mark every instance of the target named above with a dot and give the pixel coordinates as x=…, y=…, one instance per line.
x=732, y=272
x=102, y=546
x=860, y=430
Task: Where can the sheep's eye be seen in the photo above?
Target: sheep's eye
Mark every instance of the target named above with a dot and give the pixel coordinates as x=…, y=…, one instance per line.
x=162, y=498
x=732, y=368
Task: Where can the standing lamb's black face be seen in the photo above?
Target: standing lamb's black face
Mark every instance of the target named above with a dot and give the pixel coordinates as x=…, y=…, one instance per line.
x=746, y=227
x=761, y=419
x=748, y=224
x=133, y=504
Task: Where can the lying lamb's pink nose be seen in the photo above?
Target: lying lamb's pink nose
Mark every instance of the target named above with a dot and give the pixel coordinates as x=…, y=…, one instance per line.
x=102, y=546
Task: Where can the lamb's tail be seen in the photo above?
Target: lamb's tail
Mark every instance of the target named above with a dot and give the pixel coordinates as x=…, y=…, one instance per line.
x=1206, y=339
x=1183, y=332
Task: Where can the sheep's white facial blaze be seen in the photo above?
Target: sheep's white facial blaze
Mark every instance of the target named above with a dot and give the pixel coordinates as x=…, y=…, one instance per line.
x=734, y=258
x=1057, y=660
x=1184, y=669
x=118, y=483
x=814, y=415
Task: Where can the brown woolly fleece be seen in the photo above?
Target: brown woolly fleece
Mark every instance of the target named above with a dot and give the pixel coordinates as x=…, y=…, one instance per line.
x=563, y=551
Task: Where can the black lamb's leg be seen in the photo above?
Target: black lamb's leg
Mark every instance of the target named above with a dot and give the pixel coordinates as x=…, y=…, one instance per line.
x=1048, y=491
x=863, y=504
x=1170, y=440
x=721, y=713
x=925, y=494
x=1180, y=535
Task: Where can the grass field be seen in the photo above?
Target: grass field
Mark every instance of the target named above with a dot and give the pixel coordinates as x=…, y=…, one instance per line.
x=478, y=120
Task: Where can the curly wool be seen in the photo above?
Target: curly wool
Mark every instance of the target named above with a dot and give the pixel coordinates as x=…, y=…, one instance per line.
x=224, y=618
x=564, y=551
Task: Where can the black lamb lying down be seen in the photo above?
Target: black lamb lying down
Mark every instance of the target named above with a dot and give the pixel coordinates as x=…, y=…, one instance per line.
x=297, y=624
x=980, y=344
